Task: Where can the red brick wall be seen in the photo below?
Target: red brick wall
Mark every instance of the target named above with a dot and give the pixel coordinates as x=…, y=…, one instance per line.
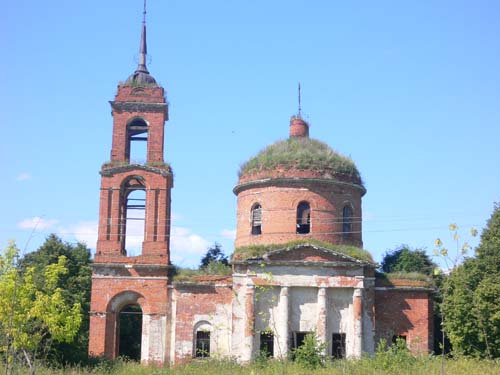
x=155, y=119
x=157, y=222
x=279, y=203
x=151, y=296
x=401, y=312
x=298, y=128
x=198, y=299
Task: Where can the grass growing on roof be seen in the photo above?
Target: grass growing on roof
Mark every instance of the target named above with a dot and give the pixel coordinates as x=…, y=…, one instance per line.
x=253, y=251
x=190, y=274
x=395, y=278
x=302, y=154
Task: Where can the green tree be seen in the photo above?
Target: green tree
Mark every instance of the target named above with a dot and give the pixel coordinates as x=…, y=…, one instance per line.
x=214, y=254
x=472, y=294
x=405, y=259
x=311, y=354
x=75, y=287
x=30, y=312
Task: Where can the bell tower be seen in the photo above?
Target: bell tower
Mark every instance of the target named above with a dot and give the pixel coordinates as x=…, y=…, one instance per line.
x=130, y=271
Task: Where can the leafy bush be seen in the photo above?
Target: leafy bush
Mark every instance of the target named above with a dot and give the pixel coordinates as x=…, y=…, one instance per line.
x=393, y=357
x=311, y=354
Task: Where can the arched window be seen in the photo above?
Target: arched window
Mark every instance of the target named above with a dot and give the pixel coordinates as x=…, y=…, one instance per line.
x=347, y=221
x=303, y=218
x=137, y=141
x=256, y=217
x=202, y=340
x=133, y=214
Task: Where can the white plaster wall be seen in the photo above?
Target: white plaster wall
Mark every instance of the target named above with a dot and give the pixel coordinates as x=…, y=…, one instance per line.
x=267, y=316
x=368, y=324
x=306, y=276
x=303, y=309
x=153, y=345
x=220, y=330
x=238, y=343
x=339, y=318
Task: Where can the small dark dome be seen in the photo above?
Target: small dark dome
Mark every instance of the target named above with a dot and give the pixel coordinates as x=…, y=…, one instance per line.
x=301, y=154
x=140, y=78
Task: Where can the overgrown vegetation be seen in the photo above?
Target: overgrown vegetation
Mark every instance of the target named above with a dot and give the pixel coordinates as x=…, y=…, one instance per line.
x=388, y=362
x=311, y=354
x=189, y=274
x=34, y=309
x=74, y=285
x=123, y=163
x=134, y=83
x=303, y=154
x=214, y=262
x=255, y=251
x=471, y=296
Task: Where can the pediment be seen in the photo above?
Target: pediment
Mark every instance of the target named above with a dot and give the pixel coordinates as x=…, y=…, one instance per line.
x=308, y=253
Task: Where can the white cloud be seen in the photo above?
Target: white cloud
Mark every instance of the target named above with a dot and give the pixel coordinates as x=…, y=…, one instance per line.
x=37, y=222
x=183, y=241
x=228, y=233
x=84, y=231
x=23, y=177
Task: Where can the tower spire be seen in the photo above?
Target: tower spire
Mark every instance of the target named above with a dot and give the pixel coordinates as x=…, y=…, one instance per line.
x=143, y=49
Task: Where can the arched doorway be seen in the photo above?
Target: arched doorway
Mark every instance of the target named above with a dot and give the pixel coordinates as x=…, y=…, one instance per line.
x=130, y=332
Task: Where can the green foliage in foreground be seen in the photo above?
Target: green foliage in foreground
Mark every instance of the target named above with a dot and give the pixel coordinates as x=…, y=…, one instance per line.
x=31, y=310
x=310, y=355
x=74, y=285
x=254, y=251
x=303, y=154
x=388, y=364
x=471, y=297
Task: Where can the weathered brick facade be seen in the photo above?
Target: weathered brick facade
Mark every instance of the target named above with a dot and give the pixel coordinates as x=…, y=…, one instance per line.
x=273, y=297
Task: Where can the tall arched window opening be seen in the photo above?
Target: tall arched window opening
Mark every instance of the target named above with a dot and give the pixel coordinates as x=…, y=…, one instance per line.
x=202, y=340
x=347, y=221
x=133, y=215
x=256, y=217
x=303, y=218
x=137, y=141
x=130, y=332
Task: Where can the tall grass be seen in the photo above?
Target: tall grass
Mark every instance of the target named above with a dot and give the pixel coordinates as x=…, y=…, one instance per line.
x=428, y=365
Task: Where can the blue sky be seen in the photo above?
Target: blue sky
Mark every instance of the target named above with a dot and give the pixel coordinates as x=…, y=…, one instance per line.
x=409, y=89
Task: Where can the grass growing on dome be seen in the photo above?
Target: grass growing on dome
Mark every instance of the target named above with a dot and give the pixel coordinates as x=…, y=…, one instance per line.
x=254, y=251
x=302, y=154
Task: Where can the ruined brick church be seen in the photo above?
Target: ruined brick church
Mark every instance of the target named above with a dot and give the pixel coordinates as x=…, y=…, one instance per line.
x=298, y=264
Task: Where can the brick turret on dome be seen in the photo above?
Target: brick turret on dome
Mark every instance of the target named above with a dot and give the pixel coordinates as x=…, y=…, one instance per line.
x=296, y=189
x=298, y=127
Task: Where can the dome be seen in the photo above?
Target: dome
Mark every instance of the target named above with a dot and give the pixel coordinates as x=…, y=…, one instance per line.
x=141, y=78
x=300, y=157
